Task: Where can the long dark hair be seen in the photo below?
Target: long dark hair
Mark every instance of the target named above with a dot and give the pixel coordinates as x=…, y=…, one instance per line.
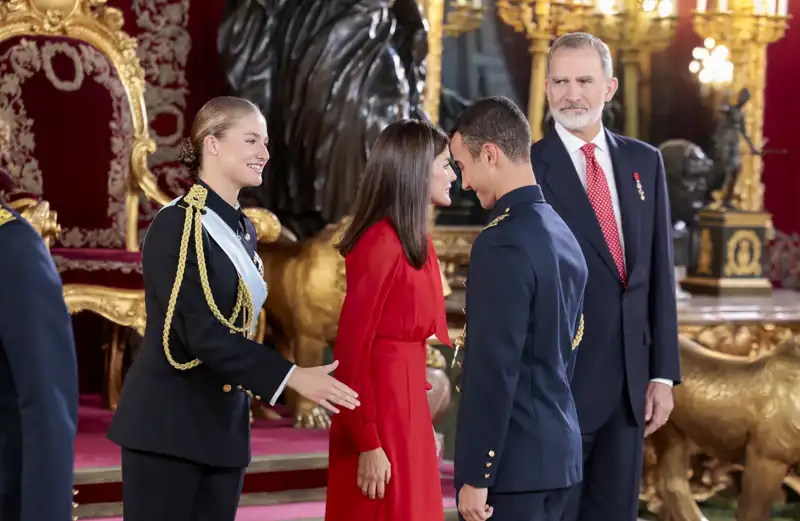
x=395, y=185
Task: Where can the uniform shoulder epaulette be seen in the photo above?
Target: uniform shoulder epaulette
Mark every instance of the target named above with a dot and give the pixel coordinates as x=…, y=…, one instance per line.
x=6, y=216
x=195, y=197
x=503, y=216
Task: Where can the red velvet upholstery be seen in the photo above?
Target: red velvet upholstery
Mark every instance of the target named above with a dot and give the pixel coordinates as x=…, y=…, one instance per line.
x=71, y=138
x=102, y=267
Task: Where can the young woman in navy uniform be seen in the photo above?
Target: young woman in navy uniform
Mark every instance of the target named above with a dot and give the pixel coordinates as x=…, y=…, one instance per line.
x=183, y=417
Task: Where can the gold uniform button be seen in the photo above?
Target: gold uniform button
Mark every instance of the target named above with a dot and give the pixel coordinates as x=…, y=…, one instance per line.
x=488, y=464
x=258, y=398
x=491, y=454
x=486, y=476
x=226, y=388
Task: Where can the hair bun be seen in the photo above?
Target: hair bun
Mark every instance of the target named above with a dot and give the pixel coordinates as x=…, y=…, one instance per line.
x=188, y=155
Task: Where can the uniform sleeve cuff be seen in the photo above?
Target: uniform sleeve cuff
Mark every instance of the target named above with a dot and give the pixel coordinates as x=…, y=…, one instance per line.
x=368, y=438
x=282, y=386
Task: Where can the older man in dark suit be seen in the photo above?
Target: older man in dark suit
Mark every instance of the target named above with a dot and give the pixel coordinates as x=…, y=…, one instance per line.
x=611, y=191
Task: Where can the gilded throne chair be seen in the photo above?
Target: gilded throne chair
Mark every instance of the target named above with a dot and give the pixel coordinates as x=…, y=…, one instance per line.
x=71, y=90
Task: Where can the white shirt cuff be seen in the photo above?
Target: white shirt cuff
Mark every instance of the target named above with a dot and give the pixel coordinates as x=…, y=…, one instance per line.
x=282, y=386
x=659, y=380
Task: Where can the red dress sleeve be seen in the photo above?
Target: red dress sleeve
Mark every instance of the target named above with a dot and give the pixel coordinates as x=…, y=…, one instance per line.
x=372, y=266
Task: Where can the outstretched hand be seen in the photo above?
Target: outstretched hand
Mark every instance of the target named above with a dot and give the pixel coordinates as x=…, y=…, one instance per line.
x=316, y=384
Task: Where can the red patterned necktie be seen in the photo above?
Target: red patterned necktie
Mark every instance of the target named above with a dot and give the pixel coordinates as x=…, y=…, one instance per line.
x=600, y=197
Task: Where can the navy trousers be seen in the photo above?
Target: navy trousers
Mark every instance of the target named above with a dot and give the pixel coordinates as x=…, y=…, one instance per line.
x=612, y=469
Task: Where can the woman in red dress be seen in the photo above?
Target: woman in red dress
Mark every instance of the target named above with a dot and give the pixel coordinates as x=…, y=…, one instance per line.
x=383, y=464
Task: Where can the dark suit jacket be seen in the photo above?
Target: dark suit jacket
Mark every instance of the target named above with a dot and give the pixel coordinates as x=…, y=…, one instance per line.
x=517, y=425
x=631, y=333
x=200, y=414
x=38, y=379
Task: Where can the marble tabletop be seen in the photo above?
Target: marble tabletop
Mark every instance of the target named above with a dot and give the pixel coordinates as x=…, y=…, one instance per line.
x=781, y=307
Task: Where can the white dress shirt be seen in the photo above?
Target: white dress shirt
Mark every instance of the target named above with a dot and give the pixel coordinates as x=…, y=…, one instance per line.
x=573, y=145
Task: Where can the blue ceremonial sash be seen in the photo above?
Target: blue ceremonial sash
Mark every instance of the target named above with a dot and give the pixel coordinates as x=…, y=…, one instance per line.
x=227, y=239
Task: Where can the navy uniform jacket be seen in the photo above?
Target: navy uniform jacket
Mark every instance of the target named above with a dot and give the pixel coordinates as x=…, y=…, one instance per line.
x=631, y=332
x=38, y=380
x=517, y=427
x=200, y=414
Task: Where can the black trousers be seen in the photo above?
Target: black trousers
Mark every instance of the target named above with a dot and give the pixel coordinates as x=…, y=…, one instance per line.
x=163, y=488
x=612, y=469
x=527, y=506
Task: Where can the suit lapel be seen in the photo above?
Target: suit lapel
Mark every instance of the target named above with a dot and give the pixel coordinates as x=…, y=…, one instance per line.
x=629, y=200
x=558, y=174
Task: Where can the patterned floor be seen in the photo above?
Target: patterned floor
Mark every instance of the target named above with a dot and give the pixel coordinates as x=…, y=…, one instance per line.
x=789, y=513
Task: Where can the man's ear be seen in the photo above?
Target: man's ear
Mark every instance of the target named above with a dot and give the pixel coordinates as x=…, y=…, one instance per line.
x=491, y=153
x=613, y=85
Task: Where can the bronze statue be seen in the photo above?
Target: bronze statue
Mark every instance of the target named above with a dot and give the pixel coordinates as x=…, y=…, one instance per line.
x=741, y=411
x=727, y=153
x=329, y=75
x=688, y=170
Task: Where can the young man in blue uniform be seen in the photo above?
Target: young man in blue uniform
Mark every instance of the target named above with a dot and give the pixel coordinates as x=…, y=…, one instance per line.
x=518, y=444
x=38, y=379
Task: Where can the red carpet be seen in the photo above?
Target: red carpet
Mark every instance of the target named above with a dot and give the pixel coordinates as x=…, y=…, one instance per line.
x=288, y=512
x=277, y=440
x=93, y=450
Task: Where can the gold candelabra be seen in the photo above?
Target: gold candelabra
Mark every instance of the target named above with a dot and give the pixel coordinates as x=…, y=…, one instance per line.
x=464, y=16
x=542, y=21
x=636, y=28
x=746, y=28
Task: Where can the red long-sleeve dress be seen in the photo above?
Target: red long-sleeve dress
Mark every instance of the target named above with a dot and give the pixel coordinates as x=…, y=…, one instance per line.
x=390, y=310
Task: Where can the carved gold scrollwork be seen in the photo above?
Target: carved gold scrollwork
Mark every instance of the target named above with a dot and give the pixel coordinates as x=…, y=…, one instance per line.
x=744, y=254
x=124, y=307
x=453, y=244
x=39, y=215
x=740, y=339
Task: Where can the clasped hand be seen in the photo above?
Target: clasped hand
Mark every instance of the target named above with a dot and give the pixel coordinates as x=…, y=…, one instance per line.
x=472, y=503
x=374, y=473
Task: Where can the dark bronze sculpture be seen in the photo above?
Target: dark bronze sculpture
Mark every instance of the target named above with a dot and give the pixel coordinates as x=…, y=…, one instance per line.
x=727, y=153
x=329, y=75
x=688, y=171
x=728, y=157
x=689, y=175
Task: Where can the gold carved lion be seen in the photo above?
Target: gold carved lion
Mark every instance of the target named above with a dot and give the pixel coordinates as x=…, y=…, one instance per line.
x=742, y=411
